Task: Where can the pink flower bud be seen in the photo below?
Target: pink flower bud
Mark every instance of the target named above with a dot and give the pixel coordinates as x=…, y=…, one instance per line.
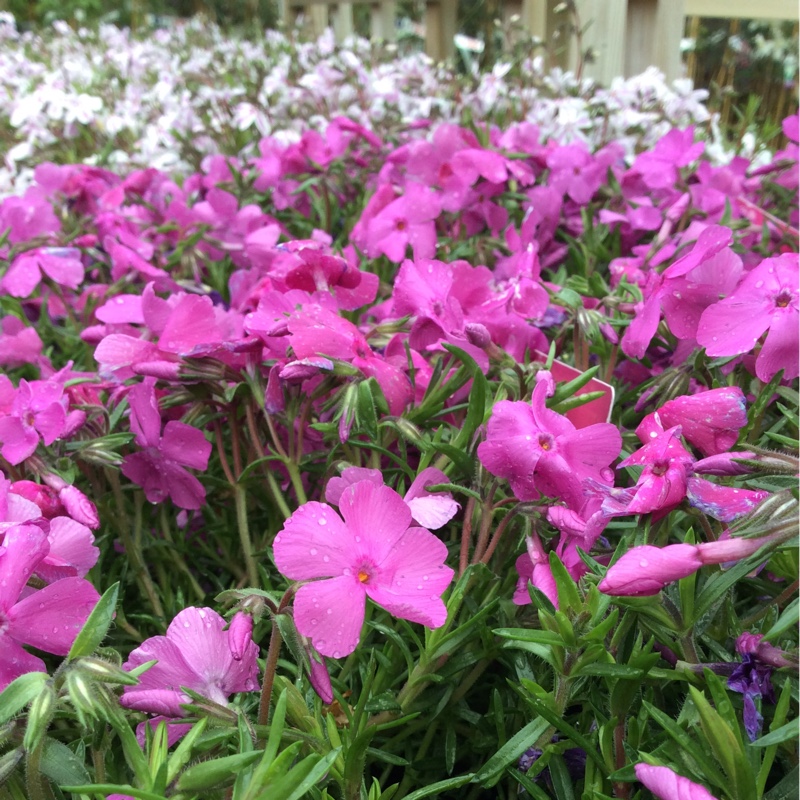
x=731, y=549
x=79, y=507
x=42, y=496
x=478, y=334
x=646, y=570
x=668, y=785
x=321, y=680
x=724, y=464
x=754, y=644
x=240, y=634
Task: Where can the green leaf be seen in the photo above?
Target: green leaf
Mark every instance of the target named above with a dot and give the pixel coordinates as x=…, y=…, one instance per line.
x=440, y=786
x=19, y=693
x=687, y=743
x=725, y=746
x=787, y=789
x=183, y=752
x=568, y=596
x=491, y=772
x=717, y=586
x=783, y=734
x=788, y=620
x=530, y=635
x=61, y=765
x=209, y=773
x=96, y=626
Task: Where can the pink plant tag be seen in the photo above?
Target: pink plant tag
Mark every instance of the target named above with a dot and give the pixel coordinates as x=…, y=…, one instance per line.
x=598, y=410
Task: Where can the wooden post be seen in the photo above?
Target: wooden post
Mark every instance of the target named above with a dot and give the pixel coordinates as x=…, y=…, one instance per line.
x=342, y=21
x=604, y=25
x=382, y=20
x=440, y=28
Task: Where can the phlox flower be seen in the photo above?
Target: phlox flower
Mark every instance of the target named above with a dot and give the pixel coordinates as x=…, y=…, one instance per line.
x=195, y=654
x=38, y=411
x=766, y=300
x=538, y=450
x=48, y=619
x=160, y=467
x=370, y=551
x=61, y=264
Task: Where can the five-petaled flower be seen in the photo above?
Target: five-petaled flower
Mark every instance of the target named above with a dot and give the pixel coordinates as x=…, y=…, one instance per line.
x=373, y=553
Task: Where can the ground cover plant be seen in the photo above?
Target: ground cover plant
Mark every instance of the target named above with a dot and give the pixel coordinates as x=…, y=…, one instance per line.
x=396, y=457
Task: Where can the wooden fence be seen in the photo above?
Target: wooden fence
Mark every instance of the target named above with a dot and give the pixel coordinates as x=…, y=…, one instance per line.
x=626, y=36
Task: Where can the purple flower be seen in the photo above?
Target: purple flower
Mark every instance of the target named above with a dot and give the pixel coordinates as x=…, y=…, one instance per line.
x=195, y=654
x=373, y=553
x=160, y=468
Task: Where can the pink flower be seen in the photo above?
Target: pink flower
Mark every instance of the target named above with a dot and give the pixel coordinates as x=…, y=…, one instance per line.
x=538, y=450
x=39, y=410
x=160, y=468
x=709, y=420
x=646, y=570
x=195, y=654
x=371, y=553
x=668, y=785
x=406, y=220
x=534, y=567
x=61, y=264
x=767, y=299
x=662, y=482
x=48, y=619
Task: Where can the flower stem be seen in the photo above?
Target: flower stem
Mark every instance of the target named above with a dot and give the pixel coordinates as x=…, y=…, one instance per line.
x=244, y=534
x=269, y=673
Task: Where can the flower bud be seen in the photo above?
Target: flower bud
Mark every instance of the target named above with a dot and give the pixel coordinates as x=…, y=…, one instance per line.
x=668, y=785
x=40, y=716
x=320, y=679
x=240, y=634
x=646, y=570
x=79, y=507
x=478, y=335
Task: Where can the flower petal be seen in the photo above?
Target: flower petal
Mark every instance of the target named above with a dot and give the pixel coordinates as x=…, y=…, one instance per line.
x=376, y=516
x=51, y=618
x=412, y=579
x=331, y=613
x=314, y=543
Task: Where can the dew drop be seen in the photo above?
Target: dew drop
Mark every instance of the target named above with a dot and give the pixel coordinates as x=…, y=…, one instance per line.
x=55, y=630
x=329, y=611
x=346, y=571
x=425, y=577
x=202, y=614
x=643, y=562
x=759, y=284
x=336, y=654
x=277, y=539
x=326, y=559
x=358, y=538
x=419, y=586
x=313, y=551
x=322, y=521
x=313, y=621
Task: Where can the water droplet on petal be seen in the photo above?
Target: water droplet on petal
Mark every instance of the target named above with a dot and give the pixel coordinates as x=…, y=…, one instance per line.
x=313, y=551
x=322, y=521
x=643, y=562
x=326, y=559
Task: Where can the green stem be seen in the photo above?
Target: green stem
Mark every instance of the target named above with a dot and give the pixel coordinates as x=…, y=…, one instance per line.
x=33, y=775
x=269, y=673
x=244, y=534
x=133, y=547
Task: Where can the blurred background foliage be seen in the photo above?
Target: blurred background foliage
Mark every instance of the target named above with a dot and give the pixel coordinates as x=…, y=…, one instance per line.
x=750, y=67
